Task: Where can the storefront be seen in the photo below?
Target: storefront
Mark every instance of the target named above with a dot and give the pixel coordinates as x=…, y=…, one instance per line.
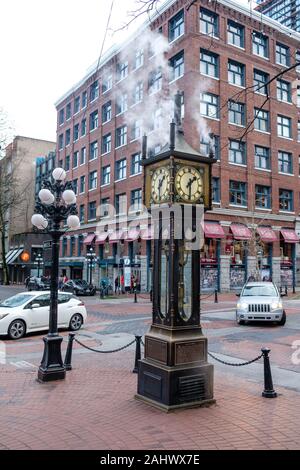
x=266, y=238
x=237, y=247
x=210, y=256
x=288, y=241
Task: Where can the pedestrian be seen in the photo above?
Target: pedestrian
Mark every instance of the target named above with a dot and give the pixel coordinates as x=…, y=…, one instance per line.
x=65, y=279
x=122, y=283
x=116, y=285
x=60, y=282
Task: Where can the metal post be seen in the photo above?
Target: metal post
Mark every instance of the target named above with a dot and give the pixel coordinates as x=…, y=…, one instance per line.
x=68, y=357
x=216, y=296
x=269, y=391
x=286, y=290
x=138, y=340
x=135, y=296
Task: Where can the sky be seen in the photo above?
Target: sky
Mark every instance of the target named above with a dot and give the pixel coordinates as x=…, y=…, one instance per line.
x=47, y=47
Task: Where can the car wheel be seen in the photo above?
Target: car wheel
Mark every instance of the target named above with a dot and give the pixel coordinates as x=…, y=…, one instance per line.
x=76, y=322
x=283, y=319
x=16, y=329
x=239, y=322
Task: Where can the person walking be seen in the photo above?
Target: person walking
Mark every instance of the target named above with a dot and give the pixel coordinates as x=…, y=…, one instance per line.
x=116, y=285
x=122, y=283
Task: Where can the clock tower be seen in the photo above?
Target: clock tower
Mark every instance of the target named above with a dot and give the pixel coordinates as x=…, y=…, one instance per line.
x=174, y=372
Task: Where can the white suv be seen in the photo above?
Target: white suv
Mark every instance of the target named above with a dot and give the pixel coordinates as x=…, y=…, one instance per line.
x=260, y=301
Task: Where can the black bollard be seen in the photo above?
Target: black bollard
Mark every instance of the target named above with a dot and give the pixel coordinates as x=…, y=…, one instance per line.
x=68, y=358
x=216, y=296
x=285, y=289
x=269, y=391
x=135, y=297
x=138, y=340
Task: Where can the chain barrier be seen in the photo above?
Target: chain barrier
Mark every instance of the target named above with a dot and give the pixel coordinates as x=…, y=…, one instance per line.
x=209, y=295
x=104, y=352
x=234, y=363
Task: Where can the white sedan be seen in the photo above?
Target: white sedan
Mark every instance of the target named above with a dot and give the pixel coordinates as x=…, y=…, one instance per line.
x=28, y=312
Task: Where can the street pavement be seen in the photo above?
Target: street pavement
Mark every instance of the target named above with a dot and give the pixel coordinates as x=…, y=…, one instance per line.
x=94, y=407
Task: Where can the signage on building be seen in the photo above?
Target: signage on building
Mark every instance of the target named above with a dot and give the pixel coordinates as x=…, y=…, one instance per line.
x=47, y=245
x=127, y=277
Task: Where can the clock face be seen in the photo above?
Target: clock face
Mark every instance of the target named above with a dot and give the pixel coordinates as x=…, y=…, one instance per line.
x=189, y=183
x=160, y=184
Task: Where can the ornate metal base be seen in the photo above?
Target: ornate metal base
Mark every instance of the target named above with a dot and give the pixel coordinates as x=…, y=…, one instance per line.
x=167, y=409
x=52, y=367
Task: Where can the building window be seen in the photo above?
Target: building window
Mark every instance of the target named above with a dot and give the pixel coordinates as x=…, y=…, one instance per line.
x=76, y=132
x=297, y=60
x=235, y=34
x=139, y=58
x=94, y=90
x=260, y=44
x=121, y=169
x=238, y=193
x=122, y=70
x=68, y=137
x=121, y=104
x=236, y=73
x=61, y=116
x=136, y=200
x=81, y=212
x=105, y=175
x=262, y=120
x=284, y=91
x=80, y=245
x=92, y=210
x=104, y=209
x=136, y=163
x=84, y=99
x=67, y=163
x=285, y=162
x=68, y=111
x=236, y=113
x=106, y=143
x=106, y=112
x=107, y=83
x=156, y=119
x=176, y=26
x=209, y=105
x=61, y=141
x=209, y=63
x=75, y=186
x=83, y=127
x=282, y=54
x=136, y=130
x=138, y=93
x=155, y=81
x=121, y=136
x=93, y=150
x=210, y=142
x=260, y=80
x=64, y=247
x=209, y=22
x=284, y=126
x=262, y=157
x=82, y=184
x=93, y=180
x=75, y=159
x=177, y=66
x=262, y=196
x=237, y=152
x=82, y=156
x=216, y=189
x=93, y=120
x=121, y=203
x=286, y=200
x=77, y=104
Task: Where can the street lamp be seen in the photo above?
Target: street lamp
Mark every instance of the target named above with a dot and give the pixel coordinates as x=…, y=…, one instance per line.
x=90, y=259
x=39, y=261
x=57, y=205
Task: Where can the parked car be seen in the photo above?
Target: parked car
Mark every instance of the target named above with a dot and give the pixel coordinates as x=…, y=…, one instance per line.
x=79, y=287
x=38, y=283
x=29, y=311
x=260, y=301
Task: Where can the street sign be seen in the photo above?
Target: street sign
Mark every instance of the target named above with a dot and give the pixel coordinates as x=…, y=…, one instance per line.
x=127, y=261
x=47, y=245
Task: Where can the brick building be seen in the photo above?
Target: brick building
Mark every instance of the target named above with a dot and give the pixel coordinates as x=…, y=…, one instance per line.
x=221, y=57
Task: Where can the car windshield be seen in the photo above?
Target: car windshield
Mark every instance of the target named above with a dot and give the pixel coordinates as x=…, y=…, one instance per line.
x=16, y=300
x=259, y=291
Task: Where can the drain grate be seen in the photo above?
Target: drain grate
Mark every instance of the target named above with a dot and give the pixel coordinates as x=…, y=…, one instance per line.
x=192, y=388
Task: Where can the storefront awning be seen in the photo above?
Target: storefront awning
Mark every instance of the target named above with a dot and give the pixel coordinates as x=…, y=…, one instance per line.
x=133, y=234
x=266, y=234
x=213, y=230
x=101, y=238
x=116, y=236
x=147, y=234
x=289, y=236
x=240, y=232
x=89, y=239
x=14, y=255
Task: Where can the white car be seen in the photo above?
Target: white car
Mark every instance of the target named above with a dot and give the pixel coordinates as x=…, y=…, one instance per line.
x=29, y=311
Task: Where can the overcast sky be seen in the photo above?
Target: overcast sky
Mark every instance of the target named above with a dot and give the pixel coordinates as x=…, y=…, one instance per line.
x=46, y=47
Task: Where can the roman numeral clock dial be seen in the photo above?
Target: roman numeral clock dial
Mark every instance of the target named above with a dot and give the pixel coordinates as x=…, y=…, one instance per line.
x=189, y=184
x=160, y=184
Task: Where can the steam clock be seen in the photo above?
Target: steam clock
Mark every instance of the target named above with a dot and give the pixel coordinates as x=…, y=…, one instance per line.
x=174, y=372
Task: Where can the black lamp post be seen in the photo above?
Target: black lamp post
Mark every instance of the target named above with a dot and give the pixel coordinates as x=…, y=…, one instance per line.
x=57, y=205
x=39, y=261
x=90, y=259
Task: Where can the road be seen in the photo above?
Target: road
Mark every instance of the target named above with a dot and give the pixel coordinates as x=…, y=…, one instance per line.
x=113, y=322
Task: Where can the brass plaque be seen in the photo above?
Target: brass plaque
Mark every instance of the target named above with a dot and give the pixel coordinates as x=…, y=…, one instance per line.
x=189, y=352
x=156, y=350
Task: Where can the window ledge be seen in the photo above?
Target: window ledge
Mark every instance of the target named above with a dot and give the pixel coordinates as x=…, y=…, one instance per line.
x=261, y=56
x=105, y=122
x=243, y=165
x=120, y=146
x=209, y=76
x=263, y=132
x=175, y=79
x=237, y=125
x=262, y=169
x=286, y=212
x=106, y=153
x=140, y=173
x=286, y=138
x=266, y=209
x=242, y=87
x=238, y=205
x=120, y=179
x=174, y=40
x=234, y=45
x=285, y=174
x=104, y=185
x=212, y=118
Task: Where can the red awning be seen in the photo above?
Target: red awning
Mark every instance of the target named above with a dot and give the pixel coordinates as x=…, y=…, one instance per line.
x=266, y=234
x=213, y=230
x=116, y=236
x=289, y=236
x=240, y=232
x=147, y=234
x=89, y=239
x=101, y=238
x=133, y=234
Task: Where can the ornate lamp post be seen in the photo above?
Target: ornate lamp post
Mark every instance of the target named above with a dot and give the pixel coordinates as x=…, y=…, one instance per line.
x=39, y=261
x=90, y=259
x=57, y=204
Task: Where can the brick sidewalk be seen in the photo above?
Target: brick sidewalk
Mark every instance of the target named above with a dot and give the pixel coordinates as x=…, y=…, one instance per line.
x=94, y=408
